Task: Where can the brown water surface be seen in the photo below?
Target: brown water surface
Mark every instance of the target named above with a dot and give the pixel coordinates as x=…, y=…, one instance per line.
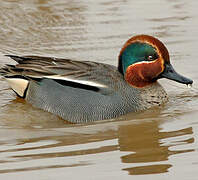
x=160, y=143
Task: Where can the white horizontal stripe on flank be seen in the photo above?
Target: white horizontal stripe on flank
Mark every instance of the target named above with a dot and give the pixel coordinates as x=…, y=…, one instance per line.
x=90, y=83
x=18, y=85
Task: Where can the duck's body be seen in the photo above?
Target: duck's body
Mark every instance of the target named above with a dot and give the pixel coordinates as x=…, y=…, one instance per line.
x=86, y=91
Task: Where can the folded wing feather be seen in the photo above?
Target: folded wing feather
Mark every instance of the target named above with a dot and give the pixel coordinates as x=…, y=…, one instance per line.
x=34, y=67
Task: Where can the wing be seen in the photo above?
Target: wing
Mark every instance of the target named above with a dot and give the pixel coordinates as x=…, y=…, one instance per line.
x=82, y=74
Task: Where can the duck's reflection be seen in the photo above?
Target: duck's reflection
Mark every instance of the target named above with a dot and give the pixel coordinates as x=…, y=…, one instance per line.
x=145, y=141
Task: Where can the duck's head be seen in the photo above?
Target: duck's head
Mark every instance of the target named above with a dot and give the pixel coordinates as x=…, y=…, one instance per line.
x=144, y=59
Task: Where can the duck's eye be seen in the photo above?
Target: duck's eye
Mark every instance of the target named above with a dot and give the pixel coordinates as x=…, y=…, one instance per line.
x=150, y=58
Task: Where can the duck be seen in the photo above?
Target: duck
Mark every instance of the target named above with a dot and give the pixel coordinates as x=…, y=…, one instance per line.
x=87, y=91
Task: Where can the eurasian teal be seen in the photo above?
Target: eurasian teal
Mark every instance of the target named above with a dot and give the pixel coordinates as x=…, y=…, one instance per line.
x=84, y=91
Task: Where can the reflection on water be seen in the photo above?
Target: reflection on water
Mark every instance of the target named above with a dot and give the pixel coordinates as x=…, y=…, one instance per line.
x=144, y=148
x=145, y=140
x=160, y=143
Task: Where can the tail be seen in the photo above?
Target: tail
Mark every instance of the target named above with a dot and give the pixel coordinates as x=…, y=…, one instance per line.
x=14, y=77
x=18, y=59
x=11, y=70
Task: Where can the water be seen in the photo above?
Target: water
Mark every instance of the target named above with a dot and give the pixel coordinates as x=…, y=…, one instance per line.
x=160, y=143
